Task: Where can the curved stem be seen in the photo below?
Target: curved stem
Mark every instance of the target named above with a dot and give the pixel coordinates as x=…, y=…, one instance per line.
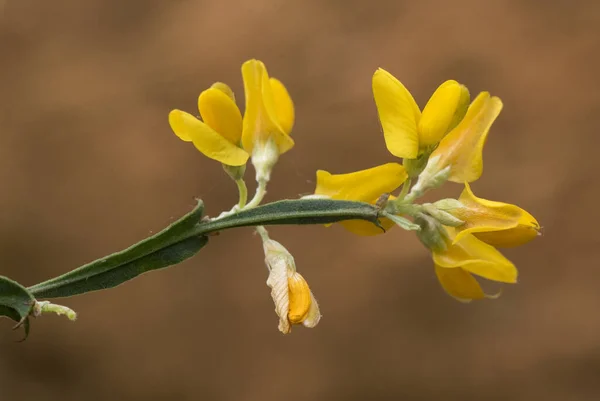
x=243, y=191
x=261, y=191
x=262, y=231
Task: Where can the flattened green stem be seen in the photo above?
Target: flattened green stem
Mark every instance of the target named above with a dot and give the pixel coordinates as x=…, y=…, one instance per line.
x=297, y=211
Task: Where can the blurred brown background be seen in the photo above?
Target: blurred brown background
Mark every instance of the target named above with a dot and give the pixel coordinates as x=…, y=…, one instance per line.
x=88, y=165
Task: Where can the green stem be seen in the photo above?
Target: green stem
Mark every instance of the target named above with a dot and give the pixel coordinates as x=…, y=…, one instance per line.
x=243, y=191
x=259, y=195
x=405, y=189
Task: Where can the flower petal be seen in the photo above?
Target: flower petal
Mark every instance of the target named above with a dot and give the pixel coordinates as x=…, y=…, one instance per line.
x=462, y=148
x=366, y=228
x=496, y=223
x=299, y=298
x=206, y=140
x=284, y=107
x=398, y=114
x=444, y=110
x=364, y=185
x=260, y=122
x=459, y=283
x=476, y=257
x=220, y=112
x=314, y=314
x=225, y=89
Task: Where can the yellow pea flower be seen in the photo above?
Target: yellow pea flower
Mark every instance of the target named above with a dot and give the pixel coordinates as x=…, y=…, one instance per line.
x=294, y=302
x=496, y=223
x=223, y=135
x=218, y=136
x=462, y=148
x=407, y=131
x=460, y=260
x=364, y=186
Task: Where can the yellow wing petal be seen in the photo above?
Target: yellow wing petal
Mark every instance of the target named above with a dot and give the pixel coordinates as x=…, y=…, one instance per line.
x=459, y=283
x=206, y=140
x=476, y=257
x=283, y=107
x=398, y=114
x=444, y=110
x=366, y=228
x=259, y=124
x=220, y=112
x=364, y=185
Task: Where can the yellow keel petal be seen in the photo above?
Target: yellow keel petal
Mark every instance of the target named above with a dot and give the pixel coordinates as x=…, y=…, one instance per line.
x=220, y=112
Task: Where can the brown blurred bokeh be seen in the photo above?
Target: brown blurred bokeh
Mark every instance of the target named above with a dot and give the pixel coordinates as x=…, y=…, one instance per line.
x=88, y=165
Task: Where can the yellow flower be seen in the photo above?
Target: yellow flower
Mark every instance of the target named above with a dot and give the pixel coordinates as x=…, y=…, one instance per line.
x=225, y=136
x=496, y=223
x=462, y=148
x=364, y=186
x=269, y=113
x=407, y=131
x=218, y=137
x=294, y=302
x=455, y=266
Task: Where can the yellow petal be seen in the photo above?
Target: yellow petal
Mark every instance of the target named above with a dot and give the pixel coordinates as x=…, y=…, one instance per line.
x=398, y=114
x=220, y=112
x=476, y=257
x=459, y=283
x=366, y=228
x=260, y=123
x=284, y=107
x=496, y=223
x=300, y=298
x=444, y=110
x=462, y=148
x=225, y=89
x=206, y=140
x=364, y=185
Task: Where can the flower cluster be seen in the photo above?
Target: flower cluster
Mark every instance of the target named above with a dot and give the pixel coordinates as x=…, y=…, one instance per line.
x=442, y=142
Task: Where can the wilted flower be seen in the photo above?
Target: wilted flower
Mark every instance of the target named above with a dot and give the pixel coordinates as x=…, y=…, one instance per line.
x=294, y=302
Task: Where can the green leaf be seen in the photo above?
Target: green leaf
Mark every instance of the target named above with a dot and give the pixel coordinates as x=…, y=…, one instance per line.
x=297, y=211
x=173, y=245
x=16, y=302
